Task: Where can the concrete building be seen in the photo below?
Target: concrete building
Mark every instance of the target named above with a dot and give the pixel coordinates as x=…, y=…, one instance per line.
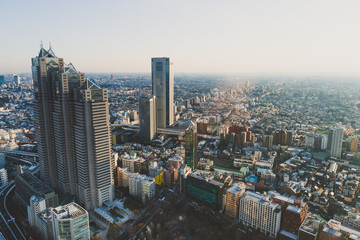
x=163, y=90
x=27, y=185
x=335, y=139
x=142, y=187
x=309, y=229
x=71, y=115
x=3, y=177
x=191, y=142
x=233, y=195
x=130, y=162
x=147, y=114
x=258, y=212
x=119, y=173
x=70, y=221
x=37, y=205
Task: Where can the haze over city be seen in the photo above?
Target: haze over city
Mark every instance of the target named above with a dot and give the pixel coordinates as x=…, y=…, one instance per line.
x=200, y=36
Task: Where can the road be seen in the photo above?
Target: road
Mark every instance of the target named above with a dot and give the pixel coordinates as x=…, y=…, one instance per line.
x=8, y=226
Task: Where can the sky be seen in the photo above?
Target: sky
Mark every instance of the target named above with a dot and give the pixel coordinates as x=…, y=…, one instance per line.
x=202, y=36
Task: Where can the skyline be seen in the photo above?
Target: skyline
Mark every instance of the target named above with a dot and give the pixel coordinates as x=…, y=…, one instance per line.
x=232, y=37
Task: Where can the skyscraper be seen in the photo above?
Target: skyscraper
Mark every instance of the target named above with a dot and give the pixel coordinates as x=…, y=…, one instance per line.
x=73, y=131
x=163, y=90
x=335, y=139
x=147, y=115
x=191, y=143
x=17, y=80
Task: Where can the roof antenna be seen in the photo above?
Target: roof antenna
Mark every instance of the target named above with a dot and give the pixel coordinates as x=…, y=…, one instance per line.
x=49, y=45
x=41, y=44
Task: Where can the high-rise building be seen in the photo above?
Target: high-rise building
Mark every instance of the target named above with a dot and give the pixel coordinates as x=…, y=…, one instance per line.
x=17, y=80
x=335, y=142
x=163, y=90
x=2, y=79
x=37, y=205
x=70, y=221
x=233, y=195
x=147, y=114
x=191, y=143
x=3, y=177
x=258, y=212
x=39, y=217
x=73, y=131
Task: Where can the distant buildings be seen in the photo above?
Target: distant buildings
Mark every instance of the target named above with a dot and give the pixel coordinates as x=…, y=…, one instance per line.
x=257, y=211
x=17, y=80
x=191, y=147
x=73, y=131
x=70, y=221
x=335, y=139
x=163, y=90
x=147, y=114
x=2, y=79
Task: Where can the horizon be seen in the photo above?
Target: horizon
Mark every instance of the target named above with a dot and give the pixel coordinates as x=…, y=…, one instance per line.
x=231, y=38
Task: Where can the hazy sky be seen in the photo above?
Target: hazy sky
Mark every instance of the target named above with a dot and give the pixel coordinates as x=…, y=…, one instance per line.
x=256, y=36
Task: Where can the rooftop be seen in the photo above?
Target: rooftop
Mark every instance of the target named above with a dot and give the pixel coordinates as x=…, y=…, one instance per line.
x=68, y=211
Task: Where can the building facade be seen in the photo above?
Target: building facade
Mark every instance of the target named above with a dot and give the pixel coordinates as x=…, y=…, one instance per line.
x=258, y=212
x=70, y=221
x=191, y=143
x=335, y=139
x=147, y=115
x=163, y=90
x=73, y=131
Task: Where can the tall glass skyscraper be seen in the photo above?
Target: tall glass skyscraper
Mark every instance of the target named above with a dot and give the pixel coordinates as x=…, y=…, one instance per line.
x=73, y=131
x=163, y=90
x=191, y=143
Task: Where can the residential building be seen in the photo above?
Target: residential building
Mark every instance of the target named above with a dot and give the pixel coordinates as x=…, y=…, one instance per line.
x=3, y=177
x=335, y=139
x=142, y=187
x=233, y=195
x=257, y=211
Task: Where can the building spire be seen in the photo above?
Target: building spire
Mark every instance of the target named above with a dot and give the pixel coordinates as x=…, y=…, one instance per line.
x=41, y=44
x=49, y=45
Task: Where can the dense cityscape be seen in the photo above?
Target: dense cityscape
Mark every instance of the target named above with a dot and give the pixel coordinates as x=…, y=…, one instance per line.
x=167, y=155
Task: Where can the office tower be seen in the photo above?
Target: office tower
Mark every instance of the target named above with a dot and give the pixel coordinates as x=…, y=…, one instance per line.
x=3, y=177
x=73, y=131
x=17, y=80
x=191, y=143
x=70, y=221
x=335, y=142
x=147, y=112
x=37, y=205
x=256, y=211
x=163, y=90
x=233, y=195
x=2, y=79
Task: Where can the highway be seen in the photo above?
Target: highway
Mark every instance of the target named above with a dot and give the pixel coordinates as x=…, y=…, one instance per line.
x=8, y=226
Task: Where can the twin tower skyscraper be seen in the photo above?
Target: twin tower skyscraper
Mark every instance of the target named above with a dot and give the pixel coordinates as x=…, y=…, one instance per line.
x=73, y=126
x=157, y=111
x=73, y=131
